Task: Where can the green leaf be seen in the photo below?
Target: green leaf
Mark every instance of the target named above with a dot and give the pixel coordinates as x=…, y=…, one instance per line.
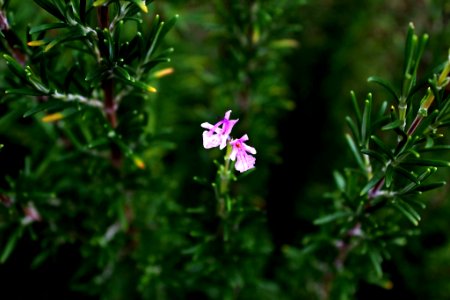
x=409, y=208
x=418, y=203
x=25, y=91
x=43, y=71
x=161, y=30
x=389, y=177
x=192, y=250
x=376, y=260
x=99, y=3
x=353, y=127
x=141, y=4
x=444, y=123
x=51, y=8
x=407, y=211
x=7, y=250
x=418, y=53
x=97, y=143
x=395, y=124
x=132, y=9
x=39, y=259
x=340, y=181
x=375, y=155
x=51, y=104
x=167, y=27
x=356, y=107
x=332, y=217
x=137, y=43
x=123, y=74
x=411, y=43
x=385, y=84
x=382, y=146
x=425, y=162
x=404, y=144
x=435, y=148
x=410, y=188
x=139, y=84
x=430, y=186
x=36, y=81
x=96, y=74
x=382, y=111
x=355, y=152
x=153, y=37
x=406, y=173
x=116, y=36
x=15, y=66
x=154, y=62
x=365, y=122
x=372, y=182
x=45, y=27
x=70, y=35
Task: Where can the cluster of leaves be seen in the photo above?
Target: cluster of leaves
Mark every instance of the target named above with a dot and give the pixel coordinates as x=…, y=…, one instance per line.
x=79, y=93
x=390, y=144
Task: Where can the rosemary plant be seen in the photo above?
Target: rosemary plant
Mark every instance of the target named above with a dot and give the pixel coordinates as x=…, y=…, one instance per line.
x=391, y=143
x=107, y=191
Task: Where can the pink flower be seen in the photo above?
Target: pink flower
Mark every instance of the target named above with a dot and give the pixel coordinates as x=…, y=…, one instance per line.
x=31, y=214
x=215, y=135
x=244, y=160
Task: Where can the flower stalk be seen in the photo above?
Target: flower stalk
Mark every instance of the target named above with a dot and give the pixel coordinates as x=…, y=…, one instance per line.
x=237, y=154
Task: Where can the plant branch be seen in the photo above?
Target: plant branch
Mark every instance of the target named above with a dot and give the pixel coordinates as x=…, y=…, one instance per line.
x=110, y=105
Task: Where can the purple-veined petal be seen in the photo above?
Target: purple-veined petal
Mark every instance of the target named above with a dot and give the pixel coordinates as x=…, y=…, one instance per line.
x=210, y=140
x=244, y=162
x=233, y=154
x=249, y=149
x=218, y=136
x=207, y=125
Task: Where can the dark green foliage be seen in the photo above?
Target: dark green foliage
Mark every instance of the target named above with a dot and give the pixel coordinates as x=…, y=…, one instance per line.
x=106, y=191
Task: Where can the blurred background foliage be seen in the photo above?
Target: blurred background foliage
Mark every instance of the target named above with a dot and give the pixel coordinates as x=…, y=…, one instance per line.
x=285, y=69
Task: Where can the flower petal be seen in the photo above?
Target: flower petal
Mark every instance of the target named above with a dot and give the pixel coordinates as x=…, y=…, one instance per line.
x=207, y=125
x=223, y=142
x=245, y=162
x=249, y=149
x=233, y=154
x=218, y=133
x=244, y=138
x=210, y=140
